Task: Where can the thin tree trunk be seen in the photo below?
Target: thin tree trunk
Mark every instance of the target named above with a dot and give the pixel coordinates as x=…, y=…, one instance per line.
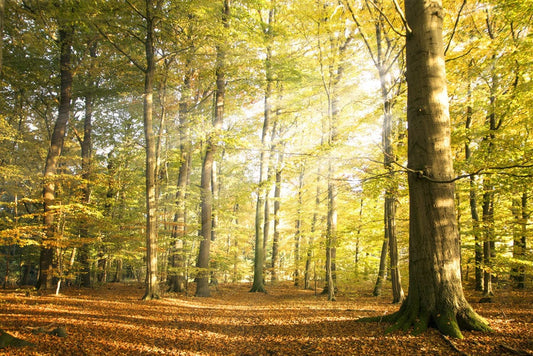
x=277, y=204
x=152, y=282
x=202, y=279
x=298, y=234
x=382, y=267
x=86, y=168
x=46, y=263
x=2, y=16
x=478, y=252
x=259, y=256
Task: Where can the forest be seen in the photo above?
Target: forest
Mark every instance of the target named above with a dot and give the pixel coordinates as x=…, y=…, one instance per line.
x=334, y=148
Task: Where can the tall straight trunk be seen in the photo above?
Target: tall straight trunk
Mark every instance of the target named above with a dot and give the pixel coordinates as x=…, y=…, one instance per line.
x=392, y=189
x=478, y=252
x=298, y=233
x=259, y=255
x=179, y=230
x=518, y=273
x=202, y=279
x=86, y=168
x=382, y=267
x=331, y=235
x=435, y=287
x=2, y=16
x=489, y=192
x=46, y=264
x=152, y=283
x=277, y=204
x=314, y=221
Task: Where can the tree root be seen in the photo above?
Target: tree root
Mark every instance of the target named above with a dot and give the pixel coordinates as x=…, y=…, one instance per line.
x=9, y=340
x=448, y=323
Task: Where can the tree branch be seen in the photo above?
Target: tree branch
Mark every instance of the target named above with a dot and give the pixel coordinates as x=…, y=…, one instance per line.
x=402, y=15
x=408, y=30
x=454, y=27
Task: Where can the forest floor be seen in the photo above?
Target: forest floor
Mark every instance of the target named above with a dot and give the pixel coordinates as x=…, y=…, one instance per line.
x=112, y=320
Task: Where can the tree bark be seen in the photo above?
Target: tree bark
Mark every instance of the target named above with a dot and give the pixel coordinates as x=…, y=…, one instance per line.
x=46, y=264
x=86, y=169
x=179, y=230
x=478, y=252
x=2, y=16
x=314, y=221
x=298, y=234
x=277, y=204
x=520, y=212
x=259, y=255
x=202, y=279
x=152, y=282
x=382, y=267
x=435, y=288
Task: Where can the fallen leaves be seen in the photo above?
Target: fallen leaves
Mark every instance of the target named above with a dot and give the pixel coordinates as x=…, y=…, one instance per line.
x=287, y=321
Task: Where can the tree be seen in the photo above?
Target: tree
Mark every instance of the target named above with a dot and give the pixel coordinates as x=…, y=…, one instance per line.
x=262, y=191
x=435, y=288
x=66, y=33
x=202, y=280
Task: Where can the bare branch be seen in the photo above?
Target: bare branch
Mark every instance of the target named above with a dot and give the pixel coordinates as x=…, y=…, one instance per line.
x=365, y=40
x=455, y=26
x=402, y=15
x=390, y=23
x=118, y=48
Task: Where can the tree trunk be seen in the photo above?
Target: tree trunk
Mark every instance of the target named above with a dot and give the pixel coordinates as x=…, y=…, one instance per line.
x=382, y=267
x=478, y=252
x=202, y=279
x=435, y=288
x=298, y=234
x=277, y=203
x=152, y=282
x=331, y=235
x=2, y=16
x=259, y=256
x=56, y=145
x=518, y=273
x=179, y=230
x=86, y=168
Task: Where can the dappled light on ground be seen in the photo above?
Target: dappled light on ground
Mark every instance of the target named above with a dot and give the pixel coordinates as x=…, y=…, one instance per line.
x=112, y=320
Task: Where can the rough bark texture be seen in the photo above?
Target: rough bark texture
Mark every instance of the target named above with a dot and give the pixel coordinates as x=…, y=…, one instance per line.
x=435, y=289
x=51, y=165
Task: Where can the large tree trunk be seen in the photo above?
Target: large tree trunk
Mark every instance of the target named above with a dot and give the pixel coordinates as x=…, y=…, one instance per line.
x=435, y=289
x=54, y=151
x=152, y=282
x=202, y=279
